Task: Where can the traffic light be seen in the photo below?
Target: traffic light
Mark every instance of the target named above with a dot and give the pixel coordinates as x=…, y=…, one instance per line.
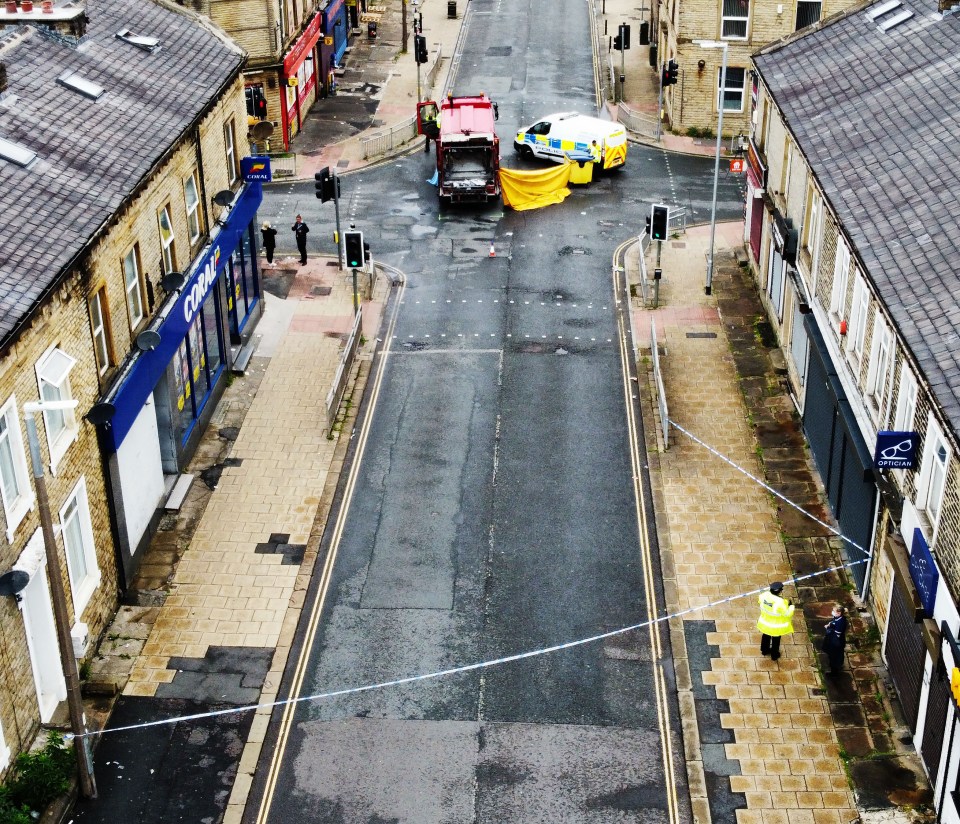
x=645, y=34
x=420, y=48
x=659, y=218
x=955, y=684
x=625, y=36
x=327, y=186
x=671, y=73
x=647, y=227
x=366, y=252
x=353, y=244
x=617, y=43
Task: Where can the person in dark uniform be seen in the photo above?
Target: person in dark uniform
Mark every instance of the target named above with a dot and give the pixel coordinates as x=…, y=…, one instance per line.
x=269, y=240
x=835, y=639
x=300, y=229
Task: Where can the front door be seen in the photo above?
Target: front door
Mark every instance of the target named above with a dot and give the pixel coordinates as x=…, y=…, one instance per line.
x=42, y=636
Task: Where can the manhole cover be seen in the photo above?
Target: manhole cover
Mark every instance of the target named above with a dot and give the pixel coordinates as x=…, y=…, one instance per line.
x=321, y=291
x=499, y=51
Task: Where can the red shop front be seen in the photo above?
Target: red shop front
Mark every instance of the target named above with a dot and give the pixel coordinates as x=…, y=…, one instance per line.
x=299, y=80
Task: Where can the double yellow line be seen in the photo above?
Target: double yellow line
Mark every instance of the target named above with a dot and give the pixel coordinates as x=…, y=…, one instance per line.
x=286, y=722
x=622, y=296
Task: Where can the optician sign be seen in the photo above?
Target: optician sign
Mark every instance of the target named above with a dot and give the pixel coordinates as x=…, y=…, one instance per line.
x=896, y=450
x=924, y=572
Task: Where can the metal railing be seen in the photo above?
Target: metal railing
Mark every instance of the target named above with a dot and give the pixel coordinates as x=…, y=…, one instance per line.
x=658, y=386
x=335, y=395
x=641, y=123
x=677, y=221
x=382, y=143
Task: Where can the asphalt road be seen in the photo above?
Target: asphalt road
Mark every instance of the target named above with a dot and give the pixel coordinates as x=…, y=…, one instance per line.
x=496, y=508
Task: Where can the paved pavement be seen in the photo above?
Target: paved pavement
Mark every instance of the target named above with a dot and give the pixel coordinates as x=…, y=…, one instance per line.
x=220, y=592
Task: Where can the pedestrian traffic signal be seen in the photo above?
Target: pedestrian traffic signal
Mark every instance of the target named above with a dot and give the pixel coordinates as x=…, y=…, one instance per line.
x=617, y=43
x=659, y=219
x=647, y=227
x=624, y=36
x=955, y=684
x=420, y=48
x=327, y=185
x=366, y=252
x=645, y=34
x=353, y=245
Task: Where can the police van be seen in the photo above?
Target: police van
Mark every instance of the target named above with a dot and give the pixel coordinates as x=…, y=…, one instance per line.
x=570, y=133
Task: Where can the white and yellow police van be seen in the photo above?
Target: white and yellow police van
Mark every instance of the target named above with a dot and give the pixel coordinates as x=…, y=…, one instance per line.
x=570, y=133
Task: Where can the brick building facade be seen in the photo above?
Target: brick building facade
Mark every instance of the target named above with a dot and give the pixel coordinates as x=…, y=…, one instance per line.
x=745, y=26
x=108, y=178
x=858, y=276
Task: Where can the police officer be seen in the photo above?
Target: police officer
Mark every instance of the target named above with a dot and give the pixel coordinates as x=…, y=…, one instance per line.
x=776, y=619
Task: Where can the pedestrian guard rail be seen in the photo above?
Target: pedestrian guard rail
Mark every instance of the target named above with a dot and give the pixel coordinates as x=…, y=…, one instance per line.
x=342, y=375
x=640, y=123
x=385, y=142
x=661, y=393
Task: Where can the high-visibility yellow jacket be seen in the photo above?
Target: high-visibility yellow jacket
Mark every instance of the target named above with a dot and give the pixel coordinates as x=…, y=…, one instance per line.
x=776, y=615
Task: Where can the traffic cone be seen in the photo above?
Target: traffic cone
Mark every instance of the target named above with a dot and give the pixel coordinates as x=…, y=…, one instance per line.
x=493, y=252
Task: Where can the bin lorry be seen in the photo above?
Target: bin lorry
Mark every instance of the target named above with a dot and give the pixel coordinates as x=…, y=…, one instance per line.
x=468, y=149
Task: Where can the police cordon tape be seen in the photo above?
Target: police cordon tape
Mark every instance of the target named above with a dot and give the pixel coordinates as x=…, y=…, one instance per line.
x=520, y=656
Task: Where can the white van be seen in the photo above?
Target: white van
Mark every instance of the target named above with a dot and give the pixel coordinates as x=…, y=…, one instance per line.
x=558, y=135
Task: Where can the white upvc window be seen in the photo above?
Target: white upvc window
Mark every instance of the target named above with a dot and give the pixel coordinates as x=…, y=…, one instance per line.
x=732, y=93
x=133, y=284
x=736, y=15
x=841, y=274
x=80, y=549
x=230, y=147
x=15, y=486
x=53, y=378
x=858, y=318
x=933, y=473
x=100, y=329
x=808, y=13
x=166, y=240
x=906, y=401
x=191, y=197
x=881, y=358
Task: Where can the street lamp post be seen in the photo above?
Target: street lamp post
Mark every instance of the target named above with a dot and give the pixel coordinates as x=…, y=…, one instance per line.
x=715, y=44
x=88, y=785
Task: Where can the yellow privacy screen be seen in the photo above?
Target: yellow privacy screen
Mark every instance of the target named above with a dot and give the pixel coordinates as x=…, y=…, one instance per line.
x=524, y=190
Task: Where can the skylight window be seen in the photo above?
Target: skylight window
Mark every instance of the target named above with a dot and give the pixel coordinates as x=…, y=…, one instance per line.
x=139, y=40
x=889, y=14
x=80, y=84
x=898, y=18
x=883, y=8
x=16, y=153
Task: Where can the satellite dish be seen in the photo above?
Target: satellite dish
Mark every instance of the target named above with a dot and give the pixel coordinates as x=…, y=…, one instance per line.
x=148, y=340
x=223, y=198
x=262, y=130
x=101, y=413
x=171, y=281
x=13, y=581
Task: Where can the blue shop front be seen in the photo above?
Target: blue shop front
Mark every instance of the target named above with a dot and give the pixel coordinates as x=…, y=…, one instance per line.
x=165, y=395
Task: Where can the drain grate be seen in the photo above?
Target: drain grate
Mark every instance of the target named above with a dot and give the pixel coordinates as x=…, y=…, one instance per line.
x=701, y=334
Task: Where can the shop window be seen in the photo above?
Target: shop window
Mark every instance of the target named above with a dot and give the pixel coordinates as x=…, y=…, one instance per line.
x=881, y=357
x=808, y=13
x=133, y=284
x=811, y=217
x=15, y=486
x=230, y=146
x=841, y=275
x=191, y=197
x=167, y=248
x=100, y=328
x=736, y=13
x=733, y=90
x=53, y=377
x=80, y=549
x=933, y=472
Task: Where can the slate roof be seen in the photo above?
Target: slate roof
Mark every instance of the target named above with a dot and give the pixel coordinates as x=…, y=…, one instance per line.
x=877, y=116
x=91, y=155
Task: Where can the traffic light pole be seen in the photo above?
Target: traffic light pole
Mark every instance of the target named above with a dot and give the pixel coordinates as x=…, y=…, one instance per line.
x=336, y=208
x=356, y=294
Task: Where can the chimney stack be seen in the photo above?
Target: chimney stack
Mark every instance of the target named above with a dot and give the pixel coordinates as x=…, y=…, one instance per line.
x=3, y=77
x=945, y=5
